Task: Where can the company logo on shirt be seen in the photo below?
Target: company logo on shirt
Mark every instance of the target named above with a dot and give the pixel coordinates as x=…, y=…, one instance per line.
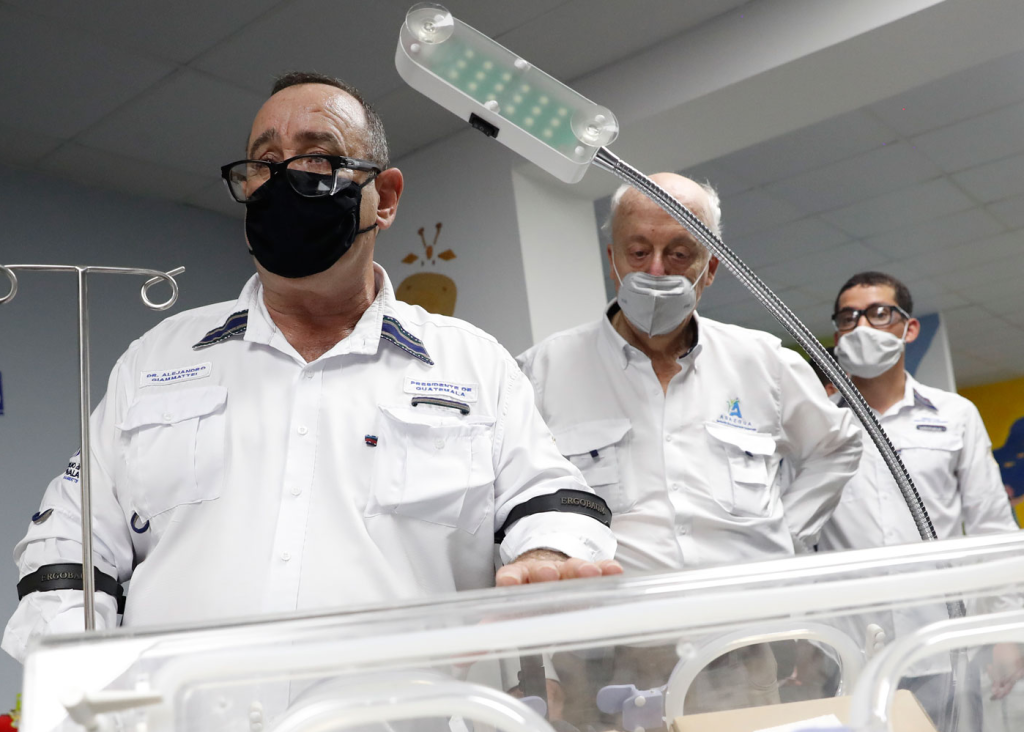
x=733, y=415
x=71, y=473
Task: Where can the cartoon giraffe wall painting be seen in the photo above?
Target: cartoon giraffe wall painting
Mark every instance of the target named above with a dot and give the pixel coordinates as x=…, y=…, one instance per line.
x=432, y=291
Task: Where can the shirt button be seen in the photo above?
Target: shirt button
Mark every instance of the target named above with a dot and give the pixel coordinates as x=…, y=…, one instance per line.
x=675, y=486
x=302, y=429
x=285, y=556
x=167, y=417
x=439, y=443
x=668, y=438
x=296, y=490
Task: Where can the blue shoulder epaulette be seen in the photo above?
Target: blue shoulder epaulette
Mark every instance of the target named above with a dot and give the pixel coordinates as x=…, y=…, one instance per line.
x=923, y=401
x=393, y=332
x=235, y=325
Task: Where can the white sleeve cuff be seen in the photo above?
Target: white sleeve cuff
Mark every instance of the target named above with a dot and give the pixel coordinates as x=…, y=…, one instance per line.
x=572, y=534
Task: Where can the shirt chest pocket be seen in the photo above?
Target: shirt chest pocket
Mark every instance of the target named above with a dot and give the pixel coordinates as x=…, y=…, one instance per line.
x=748, y=455
x=597, y=448
x=931, y=455
x=175, y=448
x=433, y=466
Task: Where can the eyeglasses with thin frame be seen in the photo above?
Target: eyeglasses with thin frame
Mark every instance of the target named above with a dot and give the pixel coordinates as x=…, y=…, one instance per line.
x=878, y=314
x=311, y=176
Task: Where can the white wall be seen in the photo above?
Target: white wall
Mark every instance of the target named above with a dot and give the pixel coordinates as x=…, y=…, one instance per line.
x=50, y=221
x=465, y=183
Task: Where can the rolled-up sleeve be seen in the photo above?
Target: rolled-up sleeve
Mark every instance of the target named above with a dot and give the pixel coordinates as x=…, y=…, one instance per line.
x=823, y=444
x=57, y=539
x=527, y=465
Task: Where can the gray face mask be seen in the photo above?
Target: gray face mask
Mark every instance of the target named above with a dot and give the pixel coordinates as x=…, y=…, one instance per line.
x=654, y=304
x=866, y=352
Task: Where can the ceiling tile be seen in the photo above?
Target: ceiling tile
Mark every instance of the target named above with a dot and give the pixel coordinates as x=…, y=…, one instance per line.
x=954, y=98
x=977, y=140
x=755, y=210
x=496, y=18
x=66, y=83
x=830, y=269
x=725, y=290
x=969, y=316
x=1010, y=212
x=215, y=197
x=993, y=276
x=313, y=35
x=789, y=241
x=986, y=283
x=994, y=181
x=212, y=121
x=936, y=234
x=178, y=31
x=24, y=147
x=718, y=176
x=1004, y=306
x=894, y=210
x=577, y=24
x=931, y=298
x=856, y=179
x=115, y=172
x=811, y=147
x=959, y=257
x=412, y=121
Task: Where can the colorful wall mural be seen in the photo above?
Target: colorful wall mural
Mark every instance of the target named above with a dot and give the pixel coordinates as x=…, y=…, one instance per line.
x=1002, y=408
x=432, y=291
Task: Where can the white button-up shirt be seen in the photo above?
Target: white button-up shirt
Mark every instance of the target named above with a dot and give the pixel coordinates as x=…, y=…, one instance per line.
x=943, y=444
x=693, y=475
x=230, y=477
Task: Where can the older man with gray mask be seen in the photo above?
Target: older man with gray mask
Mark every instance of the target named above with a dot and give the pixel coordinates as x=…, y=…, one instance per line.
x=681, y=423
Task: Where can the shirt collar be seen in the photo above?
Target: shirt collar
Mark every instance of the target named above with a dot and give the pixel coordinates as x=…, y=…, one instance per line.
x=250, y=319
x=618, y=348
x=912, y=394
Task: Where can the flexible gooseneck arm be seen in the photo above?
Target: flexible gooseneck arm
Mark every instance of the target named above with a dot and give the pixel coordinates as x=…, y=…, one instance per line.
x=607, y=160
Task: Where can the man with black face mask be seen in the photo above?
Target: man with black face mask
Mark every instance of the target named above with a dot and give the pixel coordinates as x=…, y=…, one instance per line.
x=315, y=443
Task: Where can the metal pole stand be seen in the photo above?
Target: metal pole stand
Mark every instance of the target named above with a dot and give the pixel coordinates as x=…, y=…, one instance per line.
x=84, y=402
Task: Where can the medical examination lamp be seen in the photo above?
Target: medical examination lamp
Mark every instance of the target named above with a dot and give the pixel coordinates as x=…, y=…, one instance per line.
x=549, y=124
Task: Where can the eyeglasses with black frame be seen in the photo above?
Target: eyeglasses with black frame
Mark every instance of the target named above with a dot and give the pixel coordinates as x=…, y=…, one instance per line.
x=311, y=176
x=879, y=315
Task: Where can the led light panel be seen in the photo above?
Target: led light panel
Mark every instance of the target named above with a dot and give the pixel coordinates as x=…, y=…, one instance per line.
x=501, y=94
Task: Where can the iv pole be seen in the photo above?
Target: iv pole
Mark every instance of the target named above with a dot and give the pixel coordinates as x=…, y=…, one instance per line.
x=84, y=402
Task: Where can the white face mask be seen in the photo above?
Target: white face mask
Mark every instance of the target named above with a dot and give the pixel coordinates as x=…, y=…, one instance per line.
x=867, y=352
x=657, y=305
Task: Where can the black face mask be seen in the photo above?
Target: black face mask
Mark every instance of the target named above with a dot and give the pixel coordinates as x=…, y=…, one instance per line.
x=295, y=236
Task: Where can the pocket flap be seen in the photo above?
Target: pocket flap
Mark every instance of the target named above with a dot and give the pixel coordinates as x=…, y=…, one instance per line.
x=435, y=417
x=174, y=406
x=583, y=437
x=930, y=439
x=756, y=443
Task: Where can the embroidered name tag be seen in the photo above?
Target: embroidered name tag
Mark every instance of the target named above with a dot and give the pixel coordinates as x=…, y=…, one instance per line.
x=185, y=373
x=932, y=427
x=432, y=387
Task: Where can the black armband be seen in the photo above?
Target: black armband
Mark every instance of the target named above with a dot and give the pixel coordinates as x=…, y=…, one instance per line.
x=52, y=577
x=566, y=501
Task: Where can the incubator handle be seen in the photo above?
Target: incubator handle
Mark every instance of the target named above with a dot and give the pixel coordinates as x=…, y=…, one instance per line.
x=695, y=657
x=872, y=702
x=413, y=698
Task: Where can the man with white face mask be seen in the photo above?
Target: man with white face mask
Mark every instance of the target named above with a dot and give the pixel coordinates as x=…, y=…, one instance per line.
x=681, y=423
x=943, y=443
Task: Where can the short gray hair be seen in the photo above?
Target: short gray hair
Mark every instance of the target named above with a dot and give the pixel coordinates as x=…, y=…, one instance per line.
x=714, y=205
